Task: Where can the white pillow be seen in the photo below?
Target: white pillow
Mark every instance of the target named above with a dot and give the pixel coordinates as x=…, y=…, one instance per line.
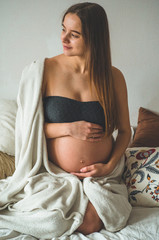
x=142, y=176
x=8, y=110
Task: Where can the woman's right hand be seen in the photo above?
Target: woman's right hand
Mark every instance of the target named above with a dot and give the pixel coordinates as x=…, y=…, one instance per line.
x=86, y=131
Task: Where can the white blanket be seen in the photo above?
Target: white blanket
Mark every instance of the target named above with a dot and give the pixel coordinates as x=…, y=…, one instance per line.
x=42, y=200
x=143, y=224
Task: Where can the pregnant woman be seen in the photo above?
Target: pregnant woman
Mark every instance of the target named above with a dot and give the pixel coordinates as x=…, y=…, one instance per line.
x=69, y=168
x=85, y=100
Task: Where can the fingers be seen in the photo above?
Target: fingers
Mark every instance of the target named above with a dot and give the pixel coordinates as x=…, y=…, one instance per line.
x=95, y=137
x=93, y=140
x=88, y=171
x=83, y=175
x=95, y=170
x=94, y=132
x=86, y=131
x=95, y=127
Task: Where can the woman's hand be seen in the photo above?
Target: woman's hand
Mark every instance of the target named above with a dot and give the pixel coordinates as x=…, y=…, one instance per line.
x=86, y=131
x=95, y=170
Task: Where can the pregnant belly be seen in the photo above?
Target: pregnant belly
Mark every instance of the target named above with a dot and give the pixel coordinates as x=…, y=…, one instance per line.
x=72, y=154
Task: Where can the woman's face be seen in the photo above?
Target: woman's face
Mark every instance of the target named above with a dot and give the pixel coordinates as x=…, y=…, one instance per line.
x=71, y=36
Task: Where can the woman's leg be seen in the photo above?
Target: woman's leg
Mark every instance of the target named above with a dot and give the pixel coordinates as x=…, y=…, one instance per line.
x=92, y=222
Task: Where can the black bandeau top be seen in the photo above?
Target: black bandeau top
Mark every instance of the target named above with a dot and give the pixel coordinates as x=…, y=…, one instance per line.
x=59, y=109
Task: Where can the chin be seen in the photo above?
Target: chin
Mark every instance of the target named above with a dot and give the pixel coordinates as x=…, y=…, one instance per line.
x=66, y=53
x=69, y=54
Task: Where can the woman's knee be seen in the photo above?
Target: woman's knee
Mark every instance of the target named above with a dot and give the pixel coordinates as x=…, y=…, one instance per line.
x=92, y=222
x=93, y=226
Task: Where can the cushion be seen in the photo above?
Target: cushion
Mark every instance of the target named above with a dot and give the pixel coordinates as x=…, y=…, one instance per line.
x=147, y=132
x=8, y=109
x=141, y=176
x=6, y=165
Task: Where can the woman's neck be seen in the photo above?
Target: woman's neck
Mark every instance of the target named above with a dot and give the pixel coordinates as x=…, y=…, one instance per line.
x=78, y=64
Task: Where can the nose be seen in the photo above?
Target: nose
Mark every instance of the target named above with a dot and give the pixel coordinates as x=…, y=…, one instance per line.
x=64, y=37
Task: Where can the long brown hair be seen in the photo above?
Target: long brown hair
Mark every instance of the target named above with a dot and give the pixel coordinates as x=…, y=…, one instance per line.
x=95, y=31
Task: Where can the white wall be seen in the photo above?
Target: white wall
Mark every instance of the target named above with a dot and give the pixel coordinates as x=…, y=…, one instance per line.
x=30, y=29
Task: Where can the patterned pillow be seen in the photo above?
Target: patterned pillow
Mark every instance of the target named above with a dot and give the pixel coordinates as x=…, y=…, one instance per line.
x=141, y=176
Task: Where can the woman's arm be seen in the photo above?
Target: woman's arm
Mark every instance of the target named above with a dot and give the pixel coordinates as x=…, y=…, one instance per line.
x=124, y=132
x=55, y=130
x=124, y=129
x=80, y=130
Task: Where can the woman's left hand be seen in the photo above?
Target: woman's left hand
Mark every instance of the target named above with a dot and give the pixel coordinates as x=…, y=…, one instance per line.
x=95, y=170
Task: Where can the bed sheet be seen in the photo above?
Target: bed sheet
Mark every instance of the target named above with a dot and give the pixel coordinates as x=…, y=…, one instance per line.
x=143, y=224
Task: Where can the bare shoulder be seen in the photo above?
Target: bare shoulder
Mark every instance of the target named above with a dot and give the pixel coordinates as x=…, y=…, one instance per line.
x=119, y=80
x=51, y=68
x=52, y=63
x=118, y=76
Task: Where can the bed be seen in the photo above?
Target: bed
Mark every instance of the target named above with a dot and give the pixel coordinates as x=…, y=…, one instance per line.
x=141, y=176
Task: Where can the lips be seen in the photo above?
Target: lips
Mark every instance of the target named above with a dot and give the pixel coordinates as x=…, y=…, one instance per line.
x=66, y=47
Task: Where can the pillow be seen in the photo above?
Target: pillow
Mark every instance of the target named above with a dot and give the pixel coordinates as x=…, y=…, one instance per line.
x=7, y=166
x=8, y=109
x=141, y=176
x=147, y=132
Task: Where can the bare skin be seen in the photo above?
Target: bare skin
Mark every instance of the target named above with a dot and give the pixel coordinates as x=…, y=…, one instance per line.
x=79, y=147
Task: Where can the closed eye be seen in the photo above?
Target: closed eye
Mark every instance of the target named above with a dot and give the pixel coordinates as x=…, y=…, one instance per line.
x=74, y=36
